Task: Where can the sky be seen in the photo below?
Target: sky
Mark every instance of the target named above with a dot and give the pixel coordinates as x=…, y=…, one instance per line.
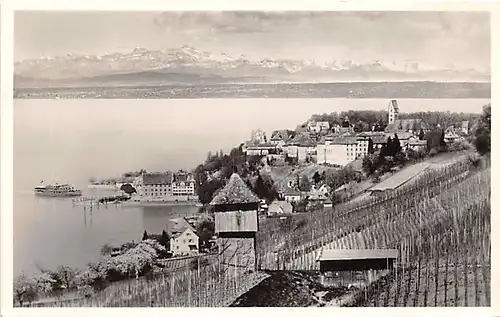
x=440, y=39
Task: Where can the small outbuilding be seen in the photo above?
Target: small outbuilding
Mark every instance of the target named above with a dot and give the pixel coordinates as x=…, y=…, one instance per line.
x=357, y=259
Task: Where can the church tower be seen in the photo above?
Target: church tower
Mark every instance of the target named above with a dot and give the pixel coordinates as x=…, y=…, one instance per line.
x=393, y=112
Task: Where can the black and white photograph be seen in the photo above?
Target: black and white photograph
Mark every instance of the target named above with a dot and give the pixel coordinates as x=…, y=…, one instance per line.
x=251, y=159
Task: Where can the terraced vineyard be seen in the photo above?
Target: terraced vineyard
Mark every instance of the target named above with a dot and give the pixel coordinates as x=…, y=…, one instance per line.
x=353, y=224
x=443, y=237
x=440, y=224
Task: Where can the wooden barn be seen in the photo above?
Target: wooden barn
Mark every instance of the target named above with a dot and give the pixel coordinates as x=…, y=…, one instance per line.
x=236, y=223
x=357, y=259
x=358, y=267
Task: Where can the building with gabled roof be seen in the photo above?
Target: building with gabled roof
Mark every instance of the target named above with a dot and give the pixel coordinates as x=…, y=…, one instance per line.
x=300, y=147
x=280, y=207
x=291, y=194
x=236, y=223
x=183, y=238
x=406, y=125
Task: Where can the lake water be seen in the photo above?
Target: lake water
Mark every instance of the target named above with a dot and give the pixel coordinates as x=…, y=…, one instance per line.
x=296, y=90
x=73, y=140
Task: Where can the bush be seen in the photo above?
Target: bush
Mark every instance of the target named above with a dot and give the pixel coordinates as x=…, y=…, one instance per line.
x=459, y=146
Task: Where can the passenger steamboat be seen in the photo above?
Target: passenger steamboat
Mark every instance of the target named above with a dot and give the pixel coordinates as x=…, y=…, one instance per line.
x=57, y=190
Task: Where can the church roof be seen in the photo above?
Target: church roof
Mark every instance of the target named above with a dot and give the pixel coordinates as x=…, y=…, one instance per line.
x=235, y=192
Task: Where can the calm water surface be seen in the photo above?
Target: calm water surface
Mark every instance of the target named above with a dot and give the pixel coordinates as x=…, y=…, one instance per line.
x=73, y=140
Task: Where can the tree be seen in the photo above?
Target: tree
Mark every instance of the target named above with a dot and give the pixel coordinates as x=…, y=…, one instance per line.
x=386, y=148
x=24, y=289
x=264, y=188
x=259, y=187
x=304, y=183
x=205, y=229
x=421, y=135
x=370, y=164
x=482, y=139
x=208, y=189
x=165, y=239
x=128, y=189
x=396, y=145
x=370, y=146
x=442, y=142
x=316, y=177
x=106, y=249
x=66, y=275
x=145, y=236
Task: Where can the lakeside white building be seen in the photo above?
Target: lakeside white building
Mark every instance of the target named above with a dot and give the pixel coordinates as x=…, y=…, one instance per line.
x=164, y=187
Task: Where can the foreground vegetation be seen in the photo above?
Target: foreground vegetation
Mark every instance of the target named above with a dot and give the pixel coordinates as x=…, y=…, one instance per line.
x=446, y=261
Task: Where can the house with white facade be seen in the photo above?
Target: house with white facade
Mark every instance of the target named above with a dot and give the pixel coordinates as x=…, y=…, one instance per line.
x=164, y=187
x=183, y=184
x=300, y=147
x=280, y=137
x=263, y=149
x=184, y=241
x=280, y=207
x=341, y=150
x=291, y=195
x=465, y=127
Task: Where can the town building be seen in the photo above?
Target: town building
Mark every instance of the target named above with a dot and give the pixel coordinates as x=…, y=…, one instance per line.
x=341, y=150
x=258, y=137
x=263, y=149
x=291, y=195
x=465, y=127
x=154, y=186
x=325, y=189
x=183, y=184
x=317, y=126
x=300, y=147
x=280, y=137
x=327, y=203
x=183, y=238
x=406, y=125
x=164, y=187
x=280, y=208
x=393, y=110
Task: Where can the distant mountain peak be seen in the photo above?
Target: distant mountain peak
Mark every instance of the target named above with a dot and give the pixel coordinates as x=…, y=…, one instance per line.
x=188, y=59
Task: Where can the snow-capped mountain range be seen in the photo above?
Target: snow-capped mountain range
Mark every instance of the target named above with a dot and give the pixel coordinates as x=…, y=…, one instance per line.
x=188, y=65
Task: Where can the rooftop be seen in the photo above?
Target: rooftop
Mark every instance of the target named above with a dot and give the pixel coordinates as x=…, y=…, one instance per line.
x=401, y=177
x=395, y=104
x=291, y=192
x=178, y=226
x=235, y=192
x=356, y=254
x=157, y=178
